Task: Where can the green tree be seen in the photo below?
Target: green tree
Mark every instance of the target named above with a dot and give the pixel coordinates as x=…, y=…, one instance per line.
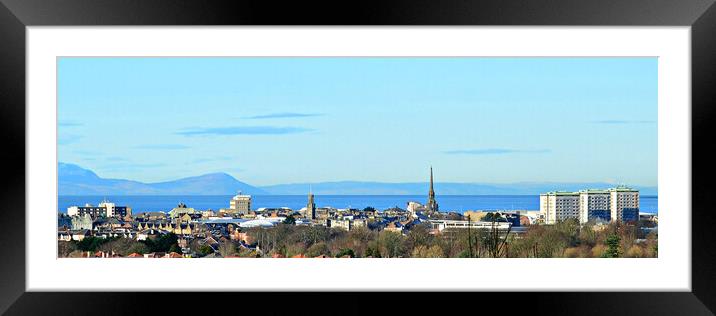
x=371, y=252
x=124, y=246
x=92, y=243
x=139, y=248
x=174, y=248
x=346, y=252
x=205, y=250
x=161, y=243
x=613, y=250
x=290, y=220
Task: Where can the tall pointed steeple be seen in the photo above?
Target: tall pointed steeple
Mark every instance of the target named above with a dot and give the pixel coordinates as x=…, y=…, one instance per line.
x=432, y=192
x=432, y=204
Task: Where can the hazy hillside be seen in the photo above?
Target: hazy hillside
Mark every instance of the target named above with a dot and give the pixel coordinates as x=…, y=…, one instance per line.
x=75, y=180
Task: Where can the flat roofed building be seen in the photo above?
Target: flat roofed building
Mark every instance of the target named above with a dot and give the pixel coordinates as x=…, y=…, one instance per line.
x=624, y=204
x=559, y=206
x=594, y=205
x=340, y=223
x=104, y=209
x=620, y=204
x=240, y=204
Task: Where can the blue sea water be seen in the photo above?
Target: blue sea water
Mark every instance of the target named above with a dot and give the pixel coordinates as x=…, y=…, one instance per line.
x=459, y=203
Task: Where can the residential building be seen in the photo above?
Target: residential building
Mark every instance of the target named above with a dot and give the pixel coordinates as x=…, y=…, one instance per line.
x=240, y=204
x=620, y=204
x=182, y=209
x=78, y=235
x=80, y=222
x=594, y=205
x=559, y=206
x=340, y=223
x=415, y=207
x=104, y=209
x=64, y=236
x=624, y=204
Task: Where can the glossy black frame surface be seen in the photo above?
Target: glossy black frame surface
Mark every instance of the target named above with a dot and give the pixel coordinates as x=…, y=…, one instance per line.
x=15, y=15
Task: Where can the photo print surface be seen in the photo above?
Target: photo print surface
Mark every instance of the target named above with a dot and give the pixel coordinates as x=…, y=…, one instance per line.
x=357, y=157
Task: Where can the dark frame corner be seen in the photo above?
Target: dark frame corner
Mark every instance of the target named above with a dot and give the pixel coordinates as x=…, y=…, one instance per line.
x=16, y=15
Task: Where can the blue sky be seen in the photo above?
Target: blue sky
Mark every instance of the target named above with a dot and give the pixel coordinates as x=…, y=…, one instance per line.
x=287, y=120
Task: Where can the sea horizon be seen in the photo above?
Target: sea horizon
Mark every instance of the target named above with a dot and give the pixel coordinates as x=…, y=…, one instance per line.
x=456, y=203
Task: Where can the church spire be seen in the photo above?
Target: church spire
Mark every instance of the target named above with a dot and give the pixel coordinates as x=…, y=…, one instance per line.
x=432, y=192
x=432, y=204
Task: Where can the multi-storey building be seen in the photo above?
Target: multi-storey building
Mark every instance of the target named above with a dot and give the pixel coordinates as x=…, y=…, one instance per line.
x=104, y=209
x=559, y=206
x=240, y=204
x=624, y=204
x=620, y=204
x=594, y=205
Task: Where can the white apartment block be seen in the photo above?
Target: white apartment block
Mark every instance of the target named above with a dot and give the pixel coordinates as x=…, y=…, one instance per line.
x=616, y=204
x=594, y=205
x=559, y=206
x=624, y=204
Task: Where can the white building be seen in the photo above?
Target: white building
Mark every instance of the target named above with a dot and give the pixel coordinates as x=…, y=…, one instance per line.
x=620, y=204
x=109, y=206
x=104, y=209
x=440, y=225
x=559, y=206
x=624, y=204
x=594, y=205
x=340, y=223
x=240, y=204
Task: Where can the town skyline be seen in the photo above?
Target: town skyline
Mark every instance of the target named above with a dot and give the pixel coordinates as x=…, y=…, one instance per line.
x=296, y=120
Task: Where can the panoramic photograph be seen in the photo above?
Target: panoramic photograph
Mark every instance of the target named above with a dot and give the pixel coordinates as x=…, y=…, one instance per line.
x=357, y=157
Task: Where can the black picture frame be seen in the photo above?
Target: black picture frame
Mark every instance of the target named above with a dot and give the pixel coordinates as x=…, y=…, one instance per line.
x=16, y=15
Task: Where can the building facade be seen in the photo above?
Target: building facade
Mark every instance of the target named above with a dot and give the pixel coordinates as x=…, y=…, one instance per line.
x=624, y=204
x=594, y=205
x=559, y=206
x=240, y=204
x=104, y=209
x=620, y=204
x=80, y=222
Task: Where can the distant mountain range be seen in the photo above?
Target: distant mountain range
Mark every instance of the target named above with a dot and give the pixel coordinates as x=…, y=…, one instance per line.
x=75, y=180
